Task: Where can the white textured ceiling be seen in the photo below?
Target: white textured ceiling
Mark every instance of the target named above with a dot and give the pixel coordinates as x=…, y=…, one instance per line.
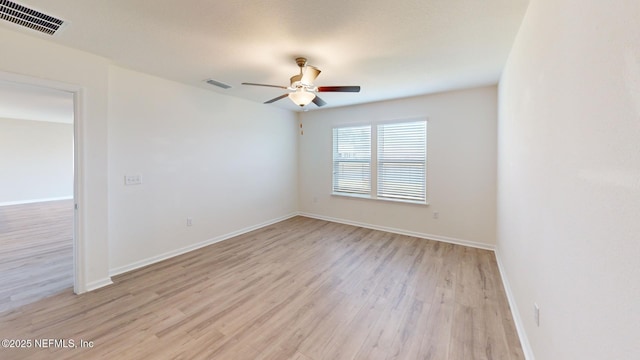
x=392, y=49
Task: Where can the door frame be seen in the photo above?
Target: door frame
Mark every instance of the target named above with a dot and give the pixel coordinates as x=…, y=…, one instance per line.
x=78, y=240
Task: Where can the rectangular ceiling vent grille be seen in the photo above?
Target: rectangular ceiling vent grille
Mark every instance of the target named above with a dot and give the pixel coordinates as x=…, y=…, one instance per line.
x=28, y=18
x=217, y=83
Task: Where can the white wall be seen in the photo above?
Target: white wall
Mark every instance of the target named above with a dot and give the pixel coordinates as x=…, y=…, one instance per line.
x=569, y=178
x=32, y=59
x=36, y=161
x=227, y=163
x=461, y=176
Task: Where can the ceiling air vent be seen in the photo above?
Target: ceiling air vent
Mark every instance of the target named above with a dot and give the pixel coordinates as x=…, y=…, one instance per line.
x=217, y=83
x=29, y=18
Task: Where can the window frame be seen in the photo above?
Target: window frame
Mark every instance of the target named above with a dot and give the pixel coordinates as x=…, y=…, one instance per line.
x=373, y=168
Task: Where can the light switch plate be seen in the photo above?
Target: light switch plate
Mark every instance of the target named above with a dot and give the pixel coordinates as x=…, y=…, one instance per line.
x=133, y=179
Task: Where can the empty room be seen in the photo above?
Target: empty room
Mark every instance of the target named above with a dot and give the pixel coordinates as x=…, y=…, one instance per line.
x=36, y=202
x=323, y=180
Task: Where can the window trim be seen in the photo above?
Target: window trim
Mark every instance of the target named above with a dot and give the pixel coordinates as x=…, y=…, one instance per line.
x=374, y=161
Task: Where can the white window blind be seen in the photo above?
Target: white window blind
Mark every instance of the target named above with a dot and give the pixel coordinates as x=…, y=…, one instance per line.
x=402, y=161
x=352, y=160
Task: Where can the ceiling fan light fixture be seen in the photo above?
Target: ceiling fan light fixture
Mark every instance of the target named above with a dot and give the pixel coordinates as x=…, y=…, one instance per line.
x=303, y=91
x=301, y=97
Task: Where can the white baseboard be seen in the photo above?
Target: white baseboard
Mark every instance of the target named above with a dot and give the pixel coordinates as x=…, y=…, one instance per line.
x=517, y=319
x=97, y=284
x=154, y=259
x=446, y=239
x=31, y=201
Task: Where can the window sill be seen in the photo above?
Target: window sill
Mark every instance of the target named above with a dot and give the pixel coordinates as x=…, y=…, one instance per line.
x=367, y=197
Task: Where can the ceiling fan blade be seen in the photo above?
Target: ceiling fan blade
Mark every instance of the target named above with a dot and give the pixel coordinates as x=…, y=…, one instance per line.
x=276, y=99
x=275, y=86
x=338, y=88
x=319, y=102
x=310, y=74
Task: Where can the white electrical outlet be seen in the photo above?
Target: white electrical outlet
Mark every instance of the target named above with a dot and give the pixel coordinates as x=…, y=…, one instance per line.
x=133, y=179
x=536, y=314
x=189, y=222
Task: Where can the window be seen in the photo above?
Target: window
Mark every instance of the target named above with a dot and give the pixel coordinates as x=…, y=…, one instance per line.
x=352, y=160
x=400, y=150
x=402, y=160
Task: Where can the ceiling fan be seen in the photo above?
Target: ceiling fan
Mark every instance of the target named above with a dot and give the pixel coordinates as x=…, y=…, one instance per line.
x=303, y=91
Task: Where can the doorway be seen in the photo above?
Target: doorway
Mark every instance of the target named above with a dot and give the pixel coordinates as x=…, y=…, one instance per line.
x=38, y=187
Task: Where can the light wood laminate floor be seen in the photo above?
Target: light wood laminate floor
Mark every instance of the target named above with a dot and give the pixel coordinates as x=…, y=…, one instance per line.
x=299, y=289
x=36, y=252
